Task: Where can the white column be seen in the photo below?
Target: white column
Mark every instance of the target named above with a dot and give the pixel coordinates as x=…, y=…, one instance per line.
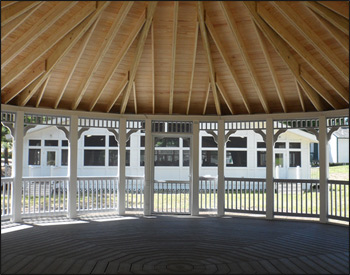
x=121, y=166
x=221, y=168
x=270, y=190
x=147, y=209
x=195, y=170
x=17, y=167
x=323, y=145
x=73, y=167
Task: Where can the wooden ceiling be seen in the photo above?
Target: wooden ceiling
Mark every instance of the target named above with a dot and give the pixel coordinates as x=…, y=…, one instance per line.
x=176, y=57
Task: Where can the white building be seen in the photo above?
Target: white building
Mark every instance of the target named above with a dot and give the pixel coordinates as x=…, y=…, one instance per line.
x=339, y=146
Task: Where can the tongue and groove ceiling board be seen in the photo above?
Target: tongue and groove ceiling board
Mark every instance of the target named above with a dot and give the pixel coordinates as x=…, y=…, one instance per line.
x=185, y=57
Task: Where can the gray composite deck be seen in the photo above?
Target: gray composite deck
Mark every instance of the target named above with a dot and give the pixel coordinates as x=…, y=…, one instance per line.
x=174, y=245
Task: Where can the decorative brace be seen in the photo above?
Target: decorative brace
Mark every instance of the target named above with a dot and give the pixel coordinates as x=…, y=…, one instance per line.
x=82, y=130
x=65, y=130
x=10, y=126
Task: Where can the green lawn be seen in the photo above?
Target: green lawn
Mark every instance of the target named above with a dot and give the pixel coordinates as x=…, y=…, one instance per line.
x=334, y=173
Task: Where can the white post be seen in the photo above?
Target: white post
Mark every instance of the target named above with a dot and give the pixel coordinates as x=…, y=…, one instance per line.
x=195, y=170
x=73, y=167
x=147, y=209
x=270, y=190
x=221, y=168
x=121, y=166
x=17, y=167
x=323, y=145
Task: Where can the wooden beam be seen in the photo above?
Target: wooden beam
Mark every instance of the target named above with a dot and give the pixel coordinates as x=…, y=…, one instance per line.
x=173, y=58
x=11, y=12
x=228, y=63
x=117, y=92
x=305, y=54
x=206, y=45
x=249, y=64
x=8, y=94
x=335, y=19
x=282, y=49
x=116, y=61
x=340, y=7
x=271, y=68
x=56, y=36
x=41, y=91
x=61, y=49
x=206, y=98
x=35, y=31
x=139, y=49
x=193, y=68
x=224, y=95
x=313, y=38
x=101, y=51
x=338, y=35
x=134, y=94
x=300, y=96
x=5, y=4
x=11, y=26
x=75, y=61
x=153, y=75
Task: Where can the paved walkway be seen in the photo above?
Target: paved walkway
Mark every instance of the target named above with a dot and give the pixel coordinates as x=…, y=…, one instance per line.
x=106, y=244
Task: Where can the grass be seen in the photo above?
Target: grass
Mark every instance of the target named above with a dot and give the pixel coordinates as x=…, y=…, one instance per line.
x=340, y=172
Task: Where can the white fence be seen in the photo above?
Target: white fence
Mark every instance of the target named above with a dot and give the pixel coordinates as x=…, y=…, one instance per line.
x=134, y=193
x=208, y=193
x=338, y=199
x=6, y=197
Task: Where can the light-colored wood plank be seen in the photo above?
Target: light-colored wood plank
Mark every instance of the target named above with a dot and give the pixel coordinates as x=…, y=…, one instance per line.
x=139, y=49
x=193, y=68
x=300, y=96
x=228, y=63
x=117, y=92
x=340, y=7
x=312, y=95
x=153, y=74
x=101, y=51
x=48, y=44
x=224, y=95
x=5, y=4
x=305, y=54
x=313, y=38
x=173, y=57
x=206, y=98
x=209, y=57
x=116, y=61
x=42, y=91
x=249, y=64
x=134, y=94
x=35, y=31
x=11, y=12
x=271, y=68
x=338, y=21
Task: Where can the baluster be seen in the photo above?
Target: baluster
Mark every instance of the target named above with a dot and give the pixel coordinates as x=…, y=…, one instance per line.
x=3, y=199
x=59, y=196
x=307, y=194
x=88, y=194
x=312, y=206
x=171, y=198
x=24, y=197
x=340, y=212
x=297, y=202
x=258, y=195
x=336, y=204
x=240, y=197
x=345, y=212
x=249, y=195
x=301, y=198
x=34, y=198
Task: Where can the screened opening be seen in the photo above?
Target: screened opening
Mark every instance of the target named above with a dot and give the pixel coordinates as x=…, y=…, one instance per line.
x=64, y=143
x=294, y=159
x=186, y=158
x=209, y=142
x=237, y=142
x=280, y=145
x=261, y=159
x=295, y=145
x=51, y=142
x=209, y=158
x=236, y=158
x=94, y=141
x=166, y=158
x=261, y=145
x=64, y=157
x=34, y=156
x=51, y=158
x=166, y=142
x=94, y=157
x=34, y=142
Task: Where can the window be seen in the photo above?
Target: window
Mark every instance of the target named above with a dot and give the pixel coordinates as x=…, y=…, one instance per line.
x=166, y=142
x=279, y=160
x=237, y=142
x=51, y=142
x=113, y=158
x=294, y=159
x=186, y=142
x=51, y=158
x=280, y=145
x=261, y=145
x=236, y=158
x=34, y=156
x=166, y=158
x=209, y=142
x=112, y=142
x=209, y=158
x=34, y=142
x=295, y=145
x=186, y=158
x=142, y=141
x=94, y=157
x=127, y=158
x=64, y=157
x=261, y=159
x=94, y=141
x=142, y=158
x=64, y=143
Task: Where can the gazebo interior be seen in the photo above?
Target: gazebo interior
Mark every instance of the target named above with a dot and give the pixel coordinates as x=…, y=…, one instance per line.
x=175, y=69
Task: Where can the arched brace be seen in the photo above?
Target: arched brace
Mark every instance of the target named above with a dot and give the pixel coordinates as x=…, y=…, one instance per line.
x=213, y=134
x=65, y=131
x=116, y=134
x=10, y=126
x=329, y=132
x=82, y=130
x=277, y=134
x=27, y=127
x=261, y=133
x=228, y=134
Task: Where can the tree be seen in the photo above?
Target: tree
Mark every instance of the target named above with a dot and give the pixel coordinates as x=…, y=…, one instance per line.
x=6, y=144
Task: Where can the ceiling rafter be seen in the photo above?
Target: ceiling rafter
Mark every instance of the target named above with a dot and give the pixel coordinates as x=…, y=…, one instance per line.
x=282, y=49
x=35, y=31
x=139, y=49
x=11, y=26
x=153, y=74
x=228, y=63
x=63, y=46
x=11, y=12
x=173, y=55
x=75, y=61
x=117, y=92
x=7, y=3
x=334, y=6
x=224, y=95
x=206, y=98
x=300, y=95
x=306, y=55
x=200, y=8
x=41, y=91
x=335, y=19
x=100, y=53
x=272, y=69
x=134, y=94
x=193, y=67
x=116, y=61
x=48, y=44
x=234, y=29
x=312, y=37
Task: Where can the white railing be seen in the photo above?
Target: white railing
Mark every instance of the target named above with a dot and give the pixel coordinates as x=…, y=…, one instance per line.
x=97, y=193
x=171, y=197
x=297, y=197
x=246, y=195
x=134, y=195
x=208, y=187
x=6, y=197
x=42, y=196
x=338, y=199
